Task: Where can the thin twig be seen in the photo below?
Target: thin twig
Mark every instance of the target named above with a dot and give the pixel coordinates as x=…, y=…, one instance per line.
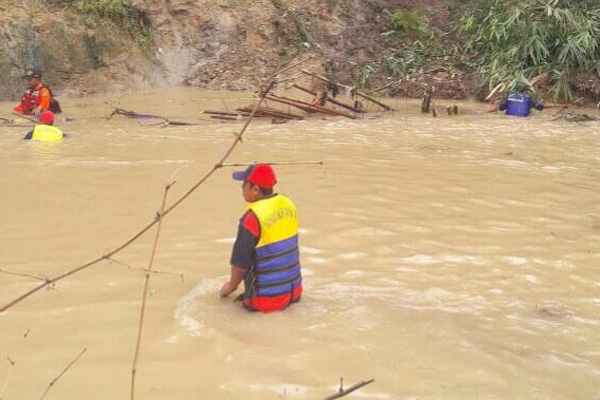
x=291, y=66
x=12, y=363
x=156, y=272
x=224, y=104
x=146, y=284
x=24, y=117
x=343, y=392
x=38, y=278
x=51, y=384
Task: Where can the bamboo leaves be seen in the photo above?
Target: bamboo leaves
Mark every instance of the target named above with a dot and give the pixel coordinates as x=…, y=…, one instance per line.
x=519, y=38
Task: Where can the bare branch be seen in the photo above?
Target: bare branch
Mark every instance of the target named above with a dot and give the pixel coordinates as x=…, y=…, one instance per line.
x=343, y=392
x=53, y=382
x=13, y=363
x=145, y=295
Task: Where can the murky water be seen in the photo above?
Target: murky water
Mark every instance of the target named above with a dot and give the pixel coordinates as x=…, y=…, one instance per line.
x=448, y=258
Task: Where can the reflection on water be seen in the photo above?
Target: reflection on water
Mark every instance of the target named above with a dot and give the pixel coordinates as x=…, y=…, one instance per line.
x=447, y=258
x=44, y=152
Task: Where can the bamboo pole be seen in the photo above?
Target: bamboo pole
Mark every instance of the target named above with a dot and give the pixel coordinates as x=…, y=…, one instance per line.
x=53, y=382
x=364, y=96
x=379, y=89
x=332, y=101
x=159, y=216
x=224, y=117
x=372, y=100
x=228, y=113
x=263, y=93
x=292, y=103
x=315, y=107
x=265, y=113
x=292, y=115
x=262, y=112
x=270, y=112
x=24, y=117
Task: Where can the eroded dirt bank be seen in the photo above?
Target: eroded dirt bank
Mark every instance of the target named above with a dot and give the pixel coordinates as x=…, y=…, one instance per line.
x=223, y=44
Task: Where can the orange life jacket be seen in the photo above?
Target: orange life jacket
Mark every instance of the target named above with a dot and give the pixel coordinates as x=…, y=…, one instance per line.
x=33, y=98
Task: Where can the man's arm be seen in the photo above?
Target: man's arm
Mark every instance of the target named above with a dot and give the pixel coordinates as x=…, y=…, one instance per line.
x=502, y=105
x=237, y=276
x=242, y=254
x=29, y=135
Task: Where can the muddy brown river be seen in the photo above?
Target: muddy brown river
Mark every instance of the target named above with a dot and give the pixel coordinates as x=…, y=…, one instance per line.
x=447, y=258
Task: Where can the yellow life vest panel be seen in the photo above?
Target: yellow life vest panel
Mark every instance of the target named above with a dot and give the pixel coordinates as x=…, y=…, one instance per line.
x=46, y=133
x=278, y=219
x=276, y=268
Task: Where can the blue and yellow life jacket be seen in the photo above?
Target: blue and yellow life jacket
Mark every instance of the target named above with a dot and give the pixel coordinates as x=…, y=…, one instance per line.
x=46, y=133
x=276, y=269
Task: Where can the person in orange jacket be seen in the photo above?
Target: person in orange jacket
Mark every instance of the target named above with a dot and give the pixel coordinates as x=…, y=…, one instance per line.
x=37, y=98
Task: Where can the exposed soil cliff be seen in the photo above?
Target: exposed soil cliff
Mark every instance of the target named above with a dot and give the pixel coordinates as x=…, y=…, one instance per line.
x=228, y=44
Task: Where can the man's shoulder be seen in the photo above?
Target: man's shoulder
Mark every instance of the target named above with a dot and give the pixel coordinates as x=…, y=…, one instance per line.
x=250, y=222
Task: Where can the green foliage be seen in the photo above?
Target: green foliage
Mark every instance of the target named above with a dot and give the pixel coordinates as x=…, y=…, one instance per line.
x=411, y=22
x=520, y=39
x=415, y=56
x=416, y=46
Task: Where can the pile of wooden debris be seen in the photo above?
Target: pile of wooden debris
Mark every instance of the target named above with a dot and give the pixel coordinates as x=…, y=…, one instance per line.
x=324, y=103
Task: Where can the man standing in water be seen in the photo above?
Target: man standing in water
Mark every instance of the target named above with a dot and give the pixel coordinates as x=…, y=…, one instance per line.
x=519, y=102
x=265, y=254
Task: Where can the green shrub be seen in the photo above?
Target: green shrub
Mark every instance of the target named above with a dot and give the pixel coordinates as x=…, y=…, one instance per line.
x=416, y=46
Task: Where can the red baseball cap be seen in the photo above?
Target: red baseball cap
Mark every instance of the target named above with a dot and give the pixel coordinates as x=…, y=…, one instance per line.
x=47, y=117
x=261, y=175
